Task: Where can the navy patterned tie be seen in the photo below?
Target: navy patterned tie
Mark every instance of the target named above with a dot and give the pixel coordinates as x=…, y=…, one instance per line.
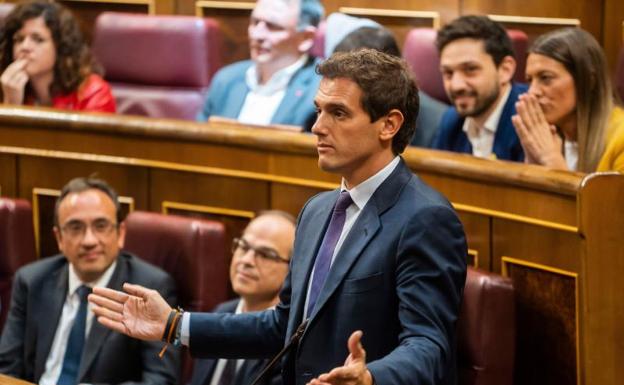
x=75, y=342
x=326, y=251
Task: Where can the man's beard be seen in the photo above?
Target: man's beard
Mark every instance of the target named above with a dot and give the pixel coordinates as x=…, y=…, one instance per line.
x=482, y=103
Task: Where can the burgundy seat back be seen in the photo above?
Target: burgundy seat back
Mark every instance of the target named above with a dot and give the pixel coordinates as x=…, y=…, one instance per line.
x=420, y=51
x=486, y=330
x=192, y=250
x=520, y=44
x=17, y=245
x=619, y=75
x=158, y=66
x=421, y=54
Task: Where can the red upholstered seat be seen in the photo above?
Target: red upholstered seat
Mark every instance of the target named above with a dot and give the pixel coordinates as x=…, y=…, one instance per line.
x=17, y=245
x=192, y=250
x=420, y=52
x=486, y=330
x=158, y=66
x=520, y=43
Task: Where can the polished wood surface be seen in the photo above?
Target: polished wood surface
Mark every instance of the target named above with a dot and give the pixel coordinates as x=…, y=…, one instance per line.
x=6, y=380
x=556, y=234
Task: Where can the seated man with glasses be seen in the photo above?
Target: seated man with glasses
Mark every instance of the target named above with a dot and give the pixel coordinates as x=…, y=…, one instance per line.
x=260, y=259
x=51, y=336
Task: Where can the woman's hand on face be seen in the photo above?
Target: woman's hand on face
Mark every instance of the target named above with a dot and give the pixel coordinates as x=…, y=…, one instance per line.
x=540, y=140
x=13, y=80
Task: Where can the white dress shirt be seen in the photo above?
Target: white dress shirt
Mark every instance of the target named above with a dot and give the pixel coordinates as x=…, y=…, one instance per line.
x=482, y=138
x=570, y=153
x=263, y=100
x=54, y=362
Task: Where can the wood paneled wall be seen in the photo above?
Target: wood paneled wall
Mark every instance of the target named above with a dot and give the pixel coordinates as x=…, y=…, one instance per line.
x=554, y=233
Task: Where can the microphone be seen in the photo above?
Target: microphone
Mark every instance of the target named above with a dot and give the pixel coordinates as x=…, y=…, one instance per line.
x=293, y=341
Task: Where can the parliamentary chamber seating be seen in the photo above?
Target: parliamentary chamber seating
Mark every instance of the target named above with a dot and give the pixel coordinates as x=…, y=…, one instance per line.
x=420, y=52
x=17, y=245
x=192, y=250
x=158, y=66
x=486, y=330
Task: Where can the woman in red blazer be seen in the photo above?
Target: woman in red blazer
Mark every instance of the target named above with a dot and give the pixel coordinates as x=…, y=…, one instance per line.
x=45, y=61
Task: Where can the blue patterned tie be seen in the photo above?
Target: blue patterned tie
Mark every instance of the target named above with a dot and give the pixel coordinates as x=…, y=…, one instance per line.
x=75, y=342
x=326, y=251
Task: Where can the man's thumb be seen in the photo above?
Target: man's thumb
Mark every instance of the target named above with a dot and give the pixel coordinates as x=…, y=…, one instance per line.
x=355, y=346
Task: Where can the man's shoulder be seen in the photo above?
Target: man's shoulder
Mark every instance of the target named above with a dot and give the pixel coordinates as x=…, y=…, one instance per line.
x=40, y=270
x=142, y=272
x=233, y=71
x=227, y=306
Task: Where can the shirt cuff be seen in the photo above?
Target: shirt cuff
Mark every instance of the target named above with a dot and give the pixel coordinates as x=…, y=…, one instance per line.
x=185, y=333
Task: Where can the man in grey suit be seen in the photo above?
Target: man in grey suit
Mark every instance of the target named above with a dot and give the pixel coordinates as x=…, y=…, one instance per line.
x=50, y=337
x=378, y=264
x=278, y=84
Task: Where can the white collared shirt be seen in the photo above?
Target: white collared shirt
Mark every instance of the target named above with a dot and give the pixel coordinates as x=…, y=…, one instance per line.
x=263, y=100
x=570, y=153
x=54, y=362
x=360, y=195
x=482, y=138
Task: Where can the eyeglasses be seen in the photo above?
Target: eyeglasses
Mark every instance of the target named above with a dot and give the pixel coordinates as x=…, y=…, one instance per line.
x=77, y=229
x=262, y=252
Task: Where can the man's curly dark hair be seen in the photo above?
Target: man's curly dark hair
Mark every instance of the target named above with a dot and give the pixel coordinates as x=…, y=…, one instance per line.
x=74, y=62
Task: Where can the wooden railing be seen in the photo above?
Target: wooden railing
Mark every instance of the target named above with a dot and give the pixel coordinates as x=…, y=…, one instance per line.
x=557, y=234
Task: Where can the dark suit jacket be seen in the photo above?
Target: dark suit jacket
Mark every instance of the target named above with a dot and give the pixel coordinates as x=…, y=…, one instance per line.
x=203, y=369
x=228, y=91
x=39, y=292
x=451, y=136
x=398, y=277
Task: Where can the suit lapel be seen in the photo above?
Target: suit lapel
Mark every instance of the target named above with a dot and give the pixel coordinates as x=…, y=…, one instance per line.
x=234, y=104
x=98, y=333
x=315, y=230
x=54, y=293
x=294, y=92
x=363, y=230
x=360, y=234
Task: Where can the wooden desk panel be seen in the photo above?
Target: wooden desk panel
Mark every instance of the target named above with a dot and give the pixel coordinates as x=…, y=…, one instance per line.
x=556, y=234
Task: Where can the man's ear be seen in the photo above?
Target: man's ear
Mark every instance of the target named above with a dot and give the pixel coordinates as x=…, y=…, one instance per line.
x=306, y=39
x=121, y=239
x=506, y=69
x=391, y=124
x=59, y=238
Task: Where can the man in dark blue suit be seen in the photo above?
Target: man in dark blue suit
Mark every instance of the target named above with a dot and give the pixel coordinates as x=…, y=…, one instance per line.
x=377, y=264
x=259, y=265
x=477, y=64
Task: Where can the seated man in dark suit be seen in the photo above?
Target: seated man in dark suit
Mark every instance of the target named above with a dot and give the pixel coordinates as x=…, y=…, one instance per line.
x=278, y=84
x=477, y=64
x=259, y=266
x=50, y=337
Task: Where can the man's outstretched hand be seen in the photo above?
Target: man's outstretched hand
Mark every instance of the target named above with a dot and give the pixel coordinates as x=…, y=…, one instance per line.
x=354, y=370
x=139, y=312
